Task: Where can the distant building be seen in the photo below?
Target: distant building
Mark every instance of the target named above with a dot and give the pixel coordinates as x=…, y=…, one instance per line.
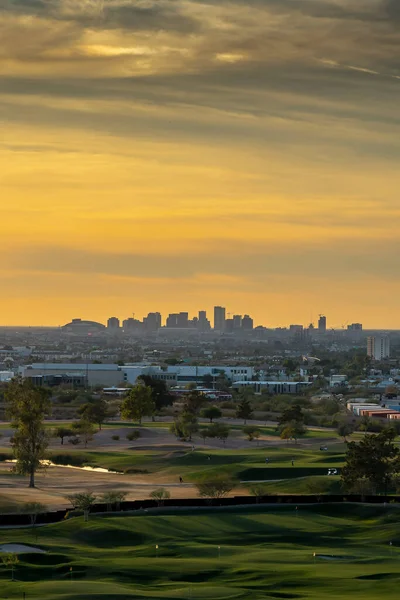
x=229, y=325
x=322, y=324
x=80, y=327
x=113, y=324
x=203, y=324
x=183, y=320
x=354, y=327
x=219, y=318
x=237, y=322
x=152, y=322
x=247, y=323
x=132, y=325
x=378, y=348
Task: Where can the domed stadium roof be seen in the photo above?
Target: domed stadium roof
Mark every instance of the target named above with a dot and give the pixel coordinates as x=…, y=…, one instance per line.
x=81, y=326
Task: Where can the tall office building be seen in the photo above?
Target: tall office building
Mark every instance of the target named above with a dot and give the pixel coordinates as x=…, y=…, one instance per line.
x=322, y=324
x=172, y=320
x=247, y=323
x=203, y=324
x=183, y=319
x=152, y=322
x=378, y=347
x=113, y=324
x=219, y=318
x=237, y=321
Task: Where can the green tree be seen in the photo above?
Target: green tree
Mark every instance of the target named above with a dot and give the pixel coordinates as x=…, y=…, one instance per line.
x=244, y=410
x=252, y=432
x=27, y=407
x=95, y=411
x=216, y=486
x=161, y=395
x=375, y=458
x=160, y=495
x=62, y=432
x=185, y=425
x=138, y=403
x=290, y=414
x=211, y=412
x=345, y=429
x=204, y=433
x=208, y=380
x=219, y=431
x=85, y=429
x=10, y=560
x=292, y=431
x=194, y=401
x=83, y=501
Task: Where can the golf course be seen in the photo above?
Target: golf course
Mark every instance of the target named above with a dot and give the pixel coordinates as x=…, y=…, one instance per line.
x=332, y=552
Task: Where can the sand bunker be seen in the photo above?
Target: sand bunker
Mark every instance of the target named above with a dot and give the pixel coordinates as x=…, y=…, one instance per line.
x=20, y=549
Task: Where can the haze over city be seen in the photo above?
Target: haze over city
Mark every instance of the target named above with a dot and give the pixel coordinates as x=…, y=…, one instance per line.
x=243, y=153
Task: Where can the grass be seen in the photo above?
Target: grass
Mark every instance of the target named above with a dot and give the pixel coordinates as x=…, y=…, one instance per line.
x=264, y=553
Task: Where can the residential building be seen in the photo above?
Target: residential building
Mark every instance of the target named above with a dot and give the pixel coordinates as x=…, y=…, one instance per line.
x=378, y=348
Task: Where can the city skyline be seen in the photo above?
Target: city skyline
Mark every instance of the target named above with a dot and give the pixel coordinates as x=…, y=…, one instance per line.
x=219, y=319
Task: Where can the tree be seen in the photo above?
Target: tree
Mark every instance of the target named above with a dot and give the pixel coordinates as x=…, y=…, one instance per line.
x=208, y=380
x=27, y=406
x=83, y=501
x=185, y=425
x=10, y=560
x=259, y=491
x=138, y=403
x=244, y=410
x=160, y=495
x=94, y=411
x=375, y=458
x=113, y=498
x=194, y=401
x=34, y=509
x=344, y=429
x=62, y=432
x=219, y=431
x=211, y=412
x=85, y=429
x=204, y=433
x=252, y=432
x=216, y=486
x=363, y=487
x=161, y=395
x=291, y=413
x=292, y=431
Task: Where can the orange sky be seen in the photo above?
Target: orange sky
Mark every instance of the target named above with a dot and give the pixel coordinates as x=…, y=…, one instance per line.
x=175, y=155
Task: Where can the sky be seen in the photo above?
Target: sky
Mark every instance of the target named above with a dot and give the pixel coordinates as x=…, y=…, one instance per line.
x=170, y=155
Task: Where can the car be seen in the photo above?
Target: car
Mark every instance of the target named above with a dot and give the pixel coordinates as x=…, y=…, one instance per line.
x=332, y=471
x=323, y=448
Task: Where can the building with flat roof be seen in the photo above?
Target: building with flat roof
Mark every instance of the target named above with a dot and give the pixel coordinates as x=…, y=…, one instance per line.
x=378, y=347
x=219, y=318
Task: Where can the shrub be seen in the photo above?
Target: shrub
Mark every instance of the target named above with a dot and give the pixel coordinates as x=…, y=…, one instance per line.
x=133, y=435
x=115, y=438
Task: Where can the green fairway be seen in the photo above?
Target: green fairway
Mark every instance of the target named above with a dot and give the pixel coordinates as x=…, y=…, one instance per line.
x=255, y=553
